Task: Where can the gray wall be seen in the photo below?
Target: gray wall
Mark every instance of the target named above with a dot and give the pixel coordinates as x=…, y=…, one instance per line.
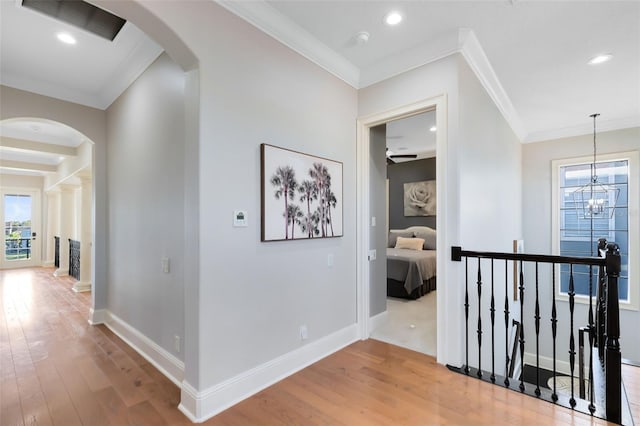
x=378, y=209
x=146, y=127
x=537, y=214
x=399, y=174
x=253, y=297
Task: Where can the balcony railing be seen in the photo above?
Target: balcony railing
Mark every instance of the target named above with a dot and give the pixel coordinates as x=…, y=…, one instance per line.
x=17, y=249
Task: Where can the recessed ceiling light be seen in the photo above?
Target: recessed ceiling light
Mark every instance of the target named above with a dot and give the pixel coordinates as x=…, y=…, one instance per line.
x=393, y=18
x=66, y=38
x=433, y=129
x=600, y=59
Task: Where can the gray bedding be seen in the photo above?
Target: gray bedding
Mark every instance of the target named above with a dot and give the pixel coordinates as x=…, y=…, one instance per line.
x=411, y=267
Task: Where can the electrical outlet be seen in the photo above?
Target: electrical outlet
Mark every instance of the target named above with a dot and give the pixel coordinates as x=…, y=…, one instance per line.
x=372, y=255
x=330, y=260
x=304, y=333
x=176, y=343
x=165, y=265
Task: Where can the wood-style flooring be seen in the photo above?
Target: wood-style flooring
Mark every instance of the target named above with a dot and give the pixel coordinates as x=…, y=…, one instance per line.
x=56, y=369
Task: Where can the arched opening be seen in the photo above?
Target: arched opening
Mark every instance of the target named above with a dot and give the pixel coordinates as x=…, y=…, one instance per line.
x=44, y=159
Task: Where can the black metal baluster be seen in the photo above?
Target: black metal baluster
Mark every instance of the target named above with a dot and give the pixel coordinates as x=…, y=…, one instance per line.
x=479, y=283
x=592, y=407
x=572, y=344
x=493, y=342
x=521, y=328
x=554, y=328
x=506, y=323
x=466, y=311
x=537, y=318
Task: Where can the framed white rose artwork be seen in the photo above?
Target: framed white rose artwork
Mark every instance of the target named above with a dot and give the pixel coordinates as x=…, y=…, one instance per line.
x=420, y=198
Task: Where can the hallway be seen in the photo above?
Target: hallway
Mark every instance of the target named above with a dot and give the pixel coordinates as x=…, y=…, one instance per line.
x=55, y=368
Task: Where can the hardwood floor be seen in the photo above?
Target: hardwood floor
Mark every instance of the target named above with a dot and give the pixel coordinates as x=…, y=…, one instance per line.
x=56, y=369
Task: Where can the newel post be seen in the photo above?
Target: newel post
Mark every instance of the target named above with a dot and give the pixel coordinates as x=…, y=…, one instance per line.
x=612, y=344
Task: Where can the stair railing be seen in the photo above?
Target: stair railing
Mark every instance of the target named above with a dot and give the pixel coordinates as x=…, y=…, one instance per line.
x=602, y=334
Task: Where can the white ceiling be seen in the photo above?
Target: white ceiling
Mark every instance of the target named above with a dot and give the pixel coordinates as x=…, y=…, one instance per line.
x=531, y=55
x=412, y=135
x=93, y=72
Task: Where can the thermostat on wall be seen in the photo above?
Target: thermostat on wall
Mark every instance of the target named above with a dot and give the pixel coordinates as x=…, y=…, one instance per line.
x=240, y=218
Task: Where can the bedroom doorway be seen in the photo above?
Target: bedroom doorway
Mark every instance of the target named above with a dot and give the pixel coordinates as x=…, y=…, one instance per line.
x=372, y=212
x=404, y=151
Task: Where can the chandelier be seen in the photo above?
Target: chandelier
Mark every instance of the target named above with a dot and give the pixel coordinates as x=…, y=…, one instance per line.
x=595, y=199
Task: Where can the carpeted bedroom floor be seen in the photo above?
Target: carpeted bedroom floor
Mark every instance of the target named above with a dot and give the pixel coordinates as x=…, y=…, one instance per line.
x=410, y=324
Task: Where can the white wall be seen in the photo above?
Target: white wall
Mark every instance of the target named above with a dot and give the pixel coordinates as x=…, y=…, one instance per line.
x=537, y=214
x=145, y=128
x=489, y=156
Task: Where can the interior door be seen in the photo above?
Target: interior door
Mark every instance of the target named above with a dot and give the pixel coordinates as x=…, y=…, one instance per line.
x=21, y=237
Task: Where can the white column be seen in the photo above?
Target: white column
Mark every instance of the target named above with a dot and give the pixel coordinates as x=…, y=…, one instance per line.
x=52, y=223
x=66, y=228
x=86, y=199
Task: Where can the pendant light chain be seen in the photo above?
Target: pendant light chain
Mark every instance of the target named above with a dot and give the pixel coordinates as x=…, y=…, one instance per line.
x=594, y=176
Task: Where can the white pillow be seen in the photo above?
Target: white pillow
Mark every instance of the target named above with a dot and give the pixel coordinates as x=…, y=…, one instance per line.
x=409, y=243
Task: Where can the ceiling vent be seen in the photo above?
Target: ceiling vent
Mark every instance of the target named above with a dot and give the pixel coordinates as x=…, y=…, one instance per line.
x=81, y=14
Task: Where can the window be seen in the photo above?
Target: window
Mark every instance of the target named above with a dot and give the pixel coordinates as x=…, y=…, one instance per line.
x=572, y=227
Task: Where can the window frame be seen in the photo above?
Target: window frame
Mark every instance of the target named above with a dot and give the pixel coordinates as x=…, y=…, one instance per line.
x=633, y=158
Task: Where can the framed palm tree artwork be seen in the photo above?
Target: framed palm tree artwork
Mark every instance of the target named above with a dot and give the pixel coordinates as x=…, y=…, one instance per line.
x=301, y=195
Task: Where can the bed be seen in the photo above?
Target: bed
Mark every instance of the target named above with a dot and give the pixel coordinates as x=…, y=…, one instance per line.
x=411, y=262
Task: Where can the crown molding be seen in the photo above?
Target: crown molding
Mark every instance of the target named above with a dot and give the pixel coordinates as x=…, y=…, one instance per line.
x=144, y=53
x=270, y=21
x=410, y=59
x=473, y=53
x=582, y=129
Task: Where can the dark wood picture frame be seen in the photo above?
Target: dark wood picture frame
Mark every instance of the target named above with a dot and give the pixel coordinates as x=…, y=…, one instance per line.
x=300, y=195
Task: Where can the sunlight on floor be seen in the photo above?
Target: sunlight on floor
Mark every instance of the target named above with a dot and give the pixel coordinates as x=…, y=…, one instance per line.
x=17, y=292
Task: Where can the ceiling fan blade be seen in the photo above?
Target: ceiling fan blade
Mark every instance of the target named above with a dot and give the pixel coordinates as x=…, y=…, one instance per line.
x=404, y=156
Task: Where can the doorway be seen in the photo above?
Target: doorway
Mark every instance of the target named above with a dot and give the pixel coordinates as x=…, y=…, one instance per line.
x=21, y=217
x=405, y=277
x=366, y=242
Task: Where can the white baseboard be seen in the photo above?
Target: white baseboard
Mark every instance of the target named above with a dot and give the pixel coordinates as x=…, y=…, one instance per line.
x=168, y=364
x=48, y=263
x=98, y=316
x=60, y=272
x=80, y=286
x=199, y=406
x=377, y=320
x=562, y=367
